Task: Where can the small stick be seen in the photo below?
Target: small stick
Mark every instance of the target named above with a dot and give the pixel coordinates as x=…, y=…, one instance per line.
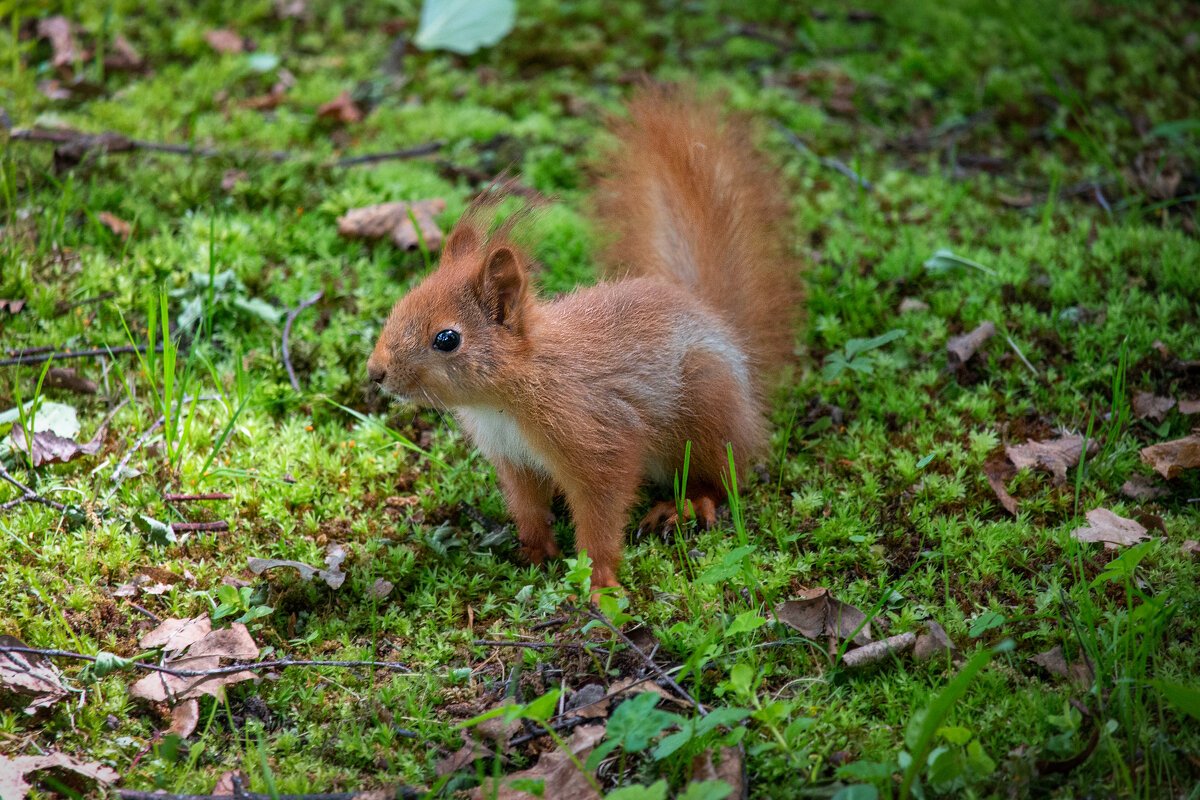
x=28, y=495
x=537, y=645
x=186, y=527
x=184, y=498
x=374, y=158
x=550, y=623
x=603, y=620
x=287, y=331
x=877, y=651
x=64, y=354
x=400, y=792
x=1024, y=360
x=208, y=673
x=141, y=440
x=831, y=163
x=153, y=617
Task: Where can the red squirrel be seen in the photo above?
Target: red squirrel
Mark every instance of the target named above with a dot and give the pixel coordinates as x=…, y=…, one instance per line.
x=596, y=392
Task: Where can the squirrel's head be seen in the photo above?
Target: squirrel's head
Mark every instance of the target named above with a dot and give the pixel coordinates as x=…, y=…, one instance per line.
x=448, y=341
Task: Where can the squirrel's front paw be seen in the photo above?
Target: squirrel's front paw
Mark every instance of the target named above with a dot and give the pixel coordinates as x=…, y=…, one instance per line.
x=537, y=554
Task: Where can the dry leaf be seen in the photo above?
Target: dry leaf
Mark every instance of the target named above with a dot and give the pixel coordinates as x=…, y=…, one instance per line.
x=123, y=56
x=464, y=757
x=731, y=770
x=630, y=687
x=912, y=304
x=1055, y=456
x=192, y=645
x=11, y=306
x=562, y=778
x=381, y=588
x=933, y=643
x=175, y=634
x=997, y=470
x=817, y=612
x=1143, y=487
x=961, y=348
x=333, y=576
x=877, y=651
x=30, y=675
x=341, y=109
x=115, y=224
x=62, y=41
x=184, y=718
x=1188, y=407
x=497, y=729
x=1145, y=404
x=224, y=40
x=1171, y=458
x=13, y=770
x=1055, y=662
x=231, y=178
x=227, y=786
x=1191, y=547
x=65, y=378
x=291, y=9
x=391, y=220
x=1023, y=200
x=50, y=448
x=1114, y=531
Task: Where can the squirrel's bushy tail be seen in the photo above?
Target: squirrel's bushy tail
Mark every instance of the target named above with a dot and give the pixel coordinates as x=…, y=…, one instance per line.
x=690, y=199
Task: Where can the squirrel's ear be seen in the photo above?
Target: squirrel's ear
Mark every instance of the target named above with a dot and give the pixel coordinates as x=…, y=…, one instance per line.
x=463, y=240
x=502, y=285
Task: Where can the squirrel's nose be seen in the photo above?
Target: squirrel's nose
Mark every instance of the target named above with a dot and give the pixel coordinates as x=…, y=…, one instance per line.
x=376, y=372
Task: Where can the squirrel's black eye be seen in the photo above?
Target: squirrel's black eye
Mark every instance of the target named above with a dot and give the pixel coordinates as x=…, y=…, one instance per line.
x=446, y=340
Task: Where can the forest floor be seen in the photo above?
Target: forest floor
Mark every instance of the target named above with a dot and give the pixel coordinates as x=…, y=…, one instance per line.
x=997, y=204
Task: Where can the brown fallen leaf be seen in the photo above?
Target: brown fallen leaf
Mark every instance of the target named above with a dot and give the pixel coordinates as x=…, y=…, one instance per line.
x=629, y=687
x=11, y=306
x=291, y=9
x=1191, y=547
x=341, y=109
x=933, y=643
x=191, y=644
x=731, y=769
x=912, y=304
x=333, y=575
x=1169, y=459
x=231, y=178
x=381, y=588
x=58, y=30
x=465, y=756
x=1146, y=404
x=997, y=470
x=961, y=348
x=122, y=56
x=1188, y=407
x=30, y=675
x=1143, y=487
x=1023, y=200
x=184, y=718
x=66, y=378
x=1055, y=662
x=562, y=779
x=391, y=220
x=115, y=224
x=50, y=448
x=816, y=612
x=227, y=786
x=878, y=651
x=1055, y=456
x=1113, y=530
x=224, y=40
x=14, y=769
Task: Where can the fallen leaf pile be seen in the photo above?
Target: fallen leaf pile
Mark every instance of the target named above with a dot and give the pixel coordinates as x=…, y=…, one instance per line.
x=392, y=221
x=562, y=778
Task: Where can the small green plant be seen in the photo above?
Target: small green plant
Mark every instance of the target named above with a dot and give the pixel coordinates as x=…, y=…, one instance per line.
x=244, y=600
x=856, y=355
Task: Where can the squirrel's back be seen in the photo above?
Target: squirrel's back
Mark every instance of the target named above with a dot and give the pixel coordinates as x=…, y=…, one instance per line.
x=692, y=201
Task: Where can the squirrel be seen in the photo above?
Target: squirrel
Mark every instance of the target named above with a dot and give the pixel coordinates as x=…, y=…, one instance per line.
x=593, y=393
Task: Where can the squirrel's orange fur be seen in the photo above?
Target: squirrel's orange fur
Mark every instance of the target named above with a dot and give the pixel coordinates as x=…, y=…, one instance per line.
x=598, y=391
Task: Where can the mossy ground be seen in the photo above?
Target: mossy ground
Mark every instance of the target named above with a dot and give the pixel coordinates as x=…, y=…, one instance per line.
x=1033, y=138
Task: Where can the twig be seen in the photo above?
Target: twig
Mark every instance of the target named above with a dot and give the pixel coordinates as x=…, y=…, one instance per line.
x=878, y=651
x=401, y=792
x=207, y=673
x=26, y=357
x=27, y=495
x=537, y=645
x=550, y=623
x=831, y=163
x=1024, y=360
x=603, y=620
x=186, y=527
x=287, y=332
x=63, y=306
x=141, y=440
x=374, y=158
x=184, y=498
x=153, y=617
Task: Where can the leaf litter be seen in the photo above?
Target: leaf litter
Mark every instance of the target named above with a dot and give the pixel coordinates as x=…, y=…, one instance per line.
x=1171, y=458
x=31, y=675
x=332, y=575
x=1113, y=530
x=15, y=769
x=192, y=644
x=392, y=221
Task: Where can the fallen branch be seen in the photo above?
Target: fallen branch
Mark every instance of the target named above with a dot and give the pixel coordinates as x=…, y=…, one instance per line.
x=37, y=355
x=538, y=645
x=287, y=332
x=603, y=620
x=205, y=673
x=188, y=527
x=831, y=163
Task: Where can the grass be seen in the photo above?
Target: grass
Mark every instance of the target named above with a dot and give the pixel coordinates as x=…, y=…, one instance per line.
x=1022, y=137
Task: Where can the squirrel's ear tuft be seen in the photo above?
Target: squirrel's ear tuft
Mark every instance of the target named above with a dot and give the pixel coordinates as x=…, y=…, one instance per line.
x=463, y=240
x=502, y=285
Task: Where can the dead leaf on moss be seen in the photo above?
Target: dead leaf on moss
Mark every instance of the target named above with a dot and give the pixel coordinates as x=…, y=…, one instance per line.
x=11, y=306
x=115, y=224
x=933, y=643
x=230, y=179
x=224, y=40
x=48, y=447
x=391, y=220
x=191, y=644
x=1188, y=407
x=65, y=50
x=629, y=687
x=1113, y=530
x=227, y=786
x=14, y=770
x=332, y=575
x=816, y=612
x=997, y=470
x=1146, y=404
x=1055, y=662
x=1169, y=459
x=184, y=718
x=912, y=304
x=731, y=769
x=1191, y=547
x=562, y=779
x=1143, y=487
x=1055, y=456
x=66, y=378
x=30, y=675
x=341, y=109
x=961, y=348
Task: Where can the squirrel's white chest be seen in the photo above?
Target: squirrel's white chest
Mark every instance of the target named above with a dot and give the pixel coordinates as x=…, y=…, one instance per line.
x=496, y=434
